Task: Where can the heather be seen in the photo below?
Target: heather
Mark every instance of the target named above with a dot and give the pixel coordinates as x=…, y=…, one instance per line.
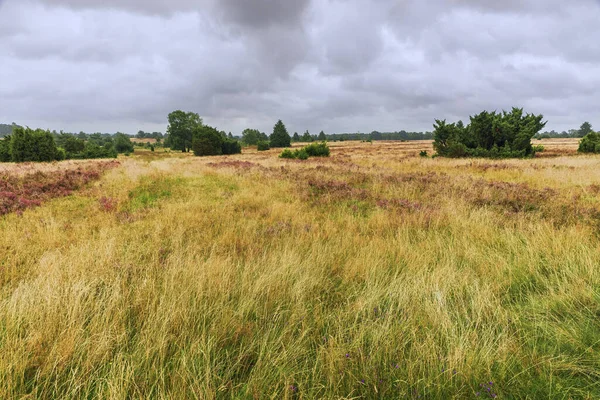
x=371, y=273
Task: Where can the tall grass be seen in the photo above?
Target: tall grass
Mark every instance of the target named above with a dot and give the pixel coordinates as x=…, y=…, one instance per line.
x=372, y=274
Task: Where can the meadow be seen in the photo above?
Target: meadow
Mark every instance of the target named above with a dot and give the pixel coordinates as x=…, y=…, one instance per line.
x=374, y=273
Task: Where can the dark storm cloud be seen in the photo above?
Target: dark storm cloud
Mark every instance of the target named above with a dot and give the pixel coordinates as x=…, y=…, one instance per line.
x=337, y=65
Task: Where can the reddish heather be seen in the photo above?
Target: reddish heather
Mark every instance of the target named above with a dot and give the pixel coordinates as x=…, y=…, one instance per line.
x=18, y=193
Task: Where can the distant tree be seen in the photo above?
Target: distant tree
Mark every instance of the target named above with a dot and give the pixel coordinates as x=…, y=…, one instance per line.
x=322, y=137
x=73, y=145
x=230, y=136
x=122, y=143
x=82, y=135
x=585, y=128
x=141, y=135
x=306, y=137
x=280, y=136
x=250, y=136
x=296, y=137
x=182, y=126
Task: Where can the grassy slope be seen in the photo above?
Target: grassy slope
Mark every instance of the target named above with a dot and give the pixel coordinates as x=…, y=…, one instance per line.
x=371, y=274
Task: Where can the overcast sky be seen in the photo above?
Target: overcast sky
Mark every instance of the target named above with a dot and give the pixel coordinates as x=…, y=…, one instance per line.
x=333, y=65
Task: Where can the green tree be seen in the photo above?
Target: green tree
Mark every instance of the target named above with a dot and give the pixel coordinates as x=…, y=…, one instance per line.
x=73, y=145
x=296, y=137
x=322, y=136
x=585, y=128
x=182, y=126
x=207, y=141
x=251, y=136
x=280, y=136
x=496, y=135
x=306, y=137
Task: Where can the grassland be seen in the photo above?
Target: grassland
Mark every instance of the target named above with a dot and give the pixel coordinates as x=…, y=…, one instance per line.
x=374, y=273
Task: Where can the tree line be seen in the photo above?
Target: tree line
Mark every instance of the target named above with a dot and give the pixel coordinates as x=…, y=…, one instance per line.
x=38, y=145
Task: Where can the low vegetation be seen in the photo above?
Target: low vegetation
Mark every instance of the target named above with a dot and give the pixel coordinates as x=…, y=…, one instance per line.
x=312, y=150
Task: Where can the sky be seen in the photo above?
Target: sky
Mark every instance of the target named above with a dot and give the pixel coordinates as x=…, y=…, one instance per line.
x=332, y=65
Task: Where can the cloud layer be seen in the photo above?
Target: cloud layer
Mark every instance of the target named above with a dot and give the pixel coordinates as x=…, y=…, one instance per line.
x=336, y=65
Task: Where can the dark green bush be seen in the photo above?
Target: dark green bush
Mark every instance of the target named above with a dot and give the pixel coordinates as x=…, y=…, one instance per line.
x=590, y=143
x=423, y=153
x=29, y=145
x=230, y=146
x=317, y=150
x=263, y=146
x=122, y=143
x=491, y=135
x=5, y=149
x=207, y=141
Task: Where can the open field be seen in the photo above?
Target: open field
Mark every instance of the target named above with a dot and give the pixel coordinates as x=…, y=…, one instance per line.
x=374, y=273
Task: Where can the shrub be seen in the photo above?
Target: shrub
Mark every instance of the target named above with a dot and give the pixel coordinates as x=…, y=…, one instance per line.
x=301, y=154
x=538, y=149
x=312, y=150
x=263, y=146
x=590, y=143
x=287, y=153
x=73, y=145
x=93, y=150
x=317, y=150
x=493, y=135
x=207, y=141
x=230, y=146
x=423, y=153
x=122, y=143
x=5, y=149
x=29, y=145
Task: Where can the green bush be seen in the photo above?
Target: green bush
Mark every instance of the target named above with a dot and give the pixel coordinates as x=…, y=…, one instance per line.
x=122, y=143
x=317, y=150
x=207, y=141
x=301, y=154
x=538, y=149
x=29, y=145
x=590, y=143
x=5, y=149
x=423, y=153
x=230, y=146
x=312, y=150
x=287, y=153
x=491, y=135
x=263, y=146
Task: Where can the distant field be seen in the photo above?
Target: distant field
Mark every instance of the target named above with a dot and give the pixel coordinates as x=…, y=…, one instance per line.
x=374, y=273
x=136, y=140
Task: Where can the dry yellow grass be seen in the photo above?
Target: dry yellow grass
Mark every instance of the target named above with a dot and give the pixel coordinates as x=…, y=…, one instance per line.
x=370, y=274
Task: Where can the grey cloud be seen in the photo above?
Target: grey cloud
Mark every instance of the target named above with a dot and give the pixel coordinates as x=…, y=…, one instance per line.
x=337, y=65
